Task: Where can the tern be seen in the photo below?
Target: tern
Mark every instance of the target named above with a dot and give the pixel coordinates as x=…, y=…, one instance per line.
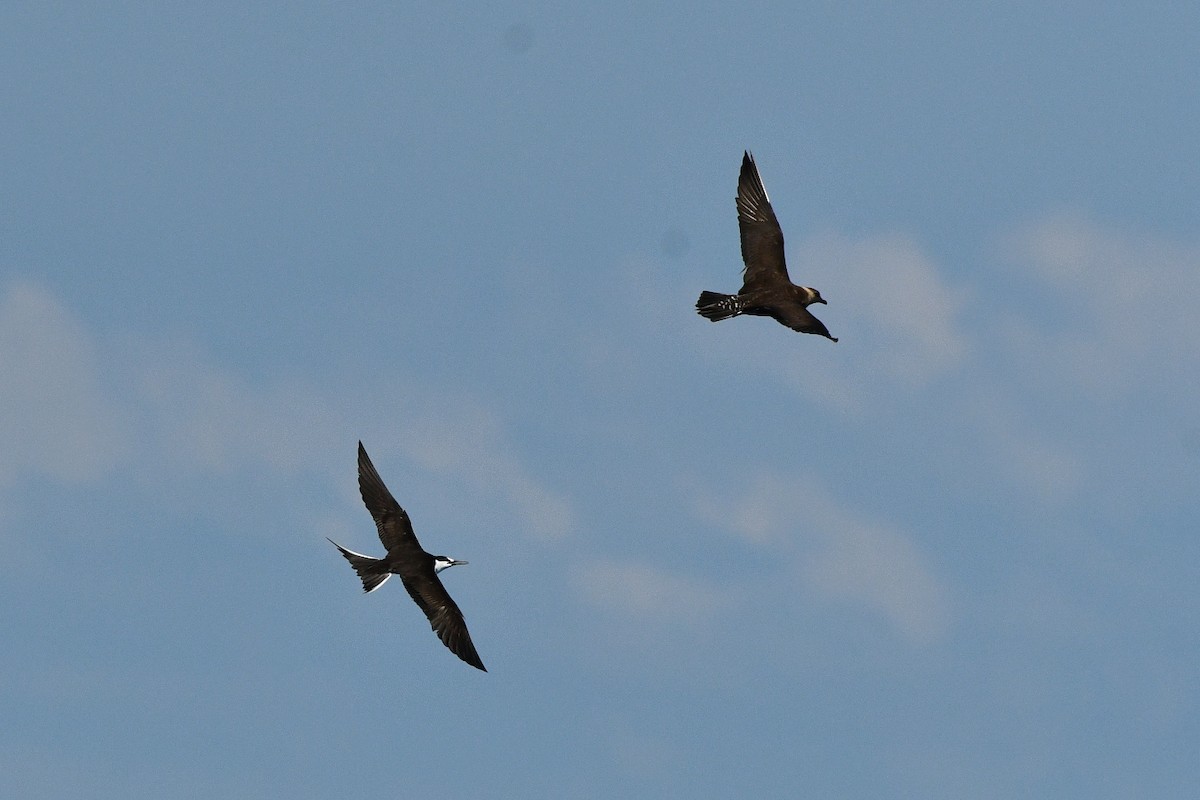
x=417, y=569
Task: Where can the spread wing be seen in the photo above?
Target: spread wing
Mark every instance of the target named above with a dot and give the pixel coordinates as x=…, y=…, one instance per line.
x=762, y=238
x=395, y=528
x=444, y=617
x=798, y=318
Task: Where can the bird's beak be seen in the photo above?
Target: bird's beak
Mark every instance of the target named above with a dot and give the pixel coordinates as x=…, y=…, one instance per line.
x=459, y=564
x=821, y=300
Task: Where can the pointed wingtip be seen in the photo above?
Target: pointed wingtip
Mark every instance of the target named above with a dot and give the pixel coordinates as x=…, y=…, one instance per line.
x=467, y=655
x=465, y=650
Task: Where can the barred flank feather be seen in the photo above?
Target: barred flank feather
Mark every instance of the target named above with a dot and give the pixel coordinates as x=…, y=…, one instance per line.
x=716, y=306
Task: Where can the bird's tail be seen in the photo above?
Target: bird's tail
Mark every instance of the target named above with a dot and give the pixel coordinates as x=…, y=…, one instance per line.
x=372, y=571
x=716, y=306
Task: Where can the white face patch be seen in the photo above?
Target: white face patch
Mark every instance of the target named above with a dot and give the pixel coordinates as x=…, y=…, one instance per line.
x=441, y=562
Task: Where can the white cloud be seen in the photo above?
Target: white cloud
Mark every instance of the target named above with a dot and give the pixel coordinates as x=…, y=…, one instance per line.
x=1128, y=303
x=201, y=417
x=756, y=514
x=897, y=317
x=1096, y=364
x=168, y=408
x=465, y=439
x=892, y=300
x=646, y=591
x=1081, y=257
x=874, y=564
x=1050, y=388
x=840, y=554
x=55, y=418
x=1038, y=462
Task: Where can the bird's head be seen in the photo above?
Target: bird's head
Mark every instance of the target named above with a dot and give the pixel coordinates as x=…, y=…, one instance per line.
x=445, y=562
x=815, y=297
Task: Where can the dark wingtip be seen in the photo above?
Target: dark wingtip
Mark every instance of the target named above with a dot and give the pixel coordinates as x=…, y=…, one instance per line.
x=364, y=460
x=471, y=659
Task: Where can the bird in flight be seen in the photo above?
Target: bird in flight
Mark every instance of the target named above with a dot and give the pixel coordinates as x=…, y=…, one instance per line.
x=766, y=291
x=417, y=569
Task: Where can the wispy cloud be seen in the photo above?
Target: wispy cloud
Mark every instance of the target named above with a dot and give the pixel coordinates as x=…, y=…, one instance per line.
x=875, y=564
x=1105, y=357
x=465, y=439
x=55, y=418
x=1038, y=462
x=1044, y=388
x=201, y=417
x=895, y=300
x=165, y=406
x=647, y=591
x=1126, y=302
x=838, y=553
x=898, y=316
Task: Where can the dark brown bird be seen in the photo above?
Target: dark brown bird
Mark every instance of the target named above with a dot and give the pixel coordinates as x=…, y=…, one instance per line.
x=766, y=291
x=417, y=569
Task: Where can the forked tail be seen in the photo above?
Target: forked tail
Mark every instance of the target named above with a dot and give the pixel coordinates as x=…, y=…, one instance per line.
x=716, y=306
x=372, y=571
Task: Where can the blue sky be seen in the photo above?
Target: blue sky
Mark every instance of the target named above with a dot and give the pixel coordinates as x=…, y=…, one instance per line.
x=953, y=555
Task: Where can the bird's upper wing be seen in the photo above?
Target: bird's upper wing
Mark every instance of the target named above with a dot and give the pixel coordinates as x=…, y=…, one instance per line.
x=444, y=617
x=762, y=238
x=393, y=523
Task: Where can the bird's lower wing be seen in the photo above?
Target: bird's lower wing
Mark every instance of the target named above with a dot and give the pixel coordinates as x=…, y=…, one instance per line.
x=449, y=626
x=798, y=318
x=445, y=618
